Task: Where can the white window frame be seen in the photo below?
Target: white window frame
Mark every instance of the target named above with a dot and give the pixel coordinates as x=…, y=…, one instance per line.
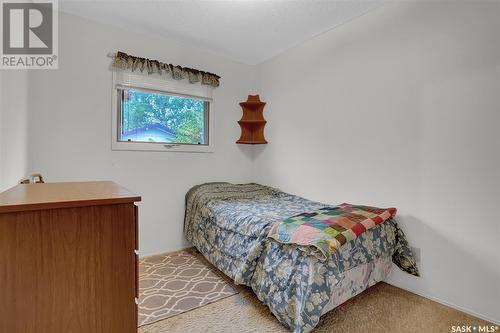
x=160, y=84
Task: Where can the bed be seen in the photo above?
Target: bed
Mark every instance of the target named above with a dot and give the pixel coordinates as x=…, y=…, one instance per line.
x=229, y=224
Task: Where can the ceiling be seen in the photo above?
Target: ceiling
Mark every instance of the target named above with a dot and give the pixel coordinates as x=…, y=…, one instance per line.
x=246, y=31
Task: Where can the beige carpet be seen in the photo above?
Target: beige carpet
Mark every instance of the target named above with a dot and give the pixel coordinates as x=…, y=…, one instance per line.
x=174, y=283
x=382, y=308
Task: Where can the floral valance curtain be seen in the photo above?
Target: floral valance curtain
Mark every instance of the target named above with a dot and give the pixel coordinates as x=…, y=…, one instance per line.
x=128, y=62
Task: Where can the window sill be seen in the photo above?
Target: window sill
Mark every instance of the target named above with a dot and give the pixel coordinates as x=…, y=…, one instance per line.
x=162, y=147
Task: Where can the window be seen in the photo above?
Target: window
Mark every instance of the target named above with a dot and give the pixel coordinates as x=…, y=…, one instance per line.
x=155, y=113
x=147, y=116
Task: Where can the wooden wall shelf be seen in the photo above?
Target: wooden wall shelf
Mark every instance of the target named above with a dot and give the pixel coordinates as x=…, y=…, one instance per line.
x=252, y=122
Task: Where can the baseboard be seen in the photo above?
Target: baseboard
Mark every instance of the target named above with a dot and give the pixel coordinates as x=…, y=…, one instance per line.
x=451, y=305
x=141, y=256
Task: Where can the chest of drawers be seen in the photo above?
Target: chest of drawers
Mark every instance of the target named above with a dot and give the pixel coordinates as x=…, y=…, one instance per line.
x=68, y=259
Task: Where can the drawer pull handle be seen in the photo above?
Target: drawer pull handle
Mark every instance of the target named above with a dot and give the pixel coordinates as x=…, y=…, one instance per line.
x=136, y=301
x=136, y=252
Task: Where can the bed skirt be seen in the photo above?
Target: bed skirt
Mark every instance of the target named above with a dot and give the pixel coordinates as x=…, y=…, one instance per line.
x=358, y=279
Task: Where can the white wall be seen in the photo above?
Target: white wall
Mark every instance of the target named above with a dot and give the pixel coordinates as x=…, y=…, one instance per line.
x=401, y=108
x=13, y=126
x=70, y=126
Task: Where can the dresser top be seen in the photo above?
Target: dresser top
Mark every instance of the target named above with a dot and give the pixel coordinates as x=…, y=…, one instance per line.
x=64, y=195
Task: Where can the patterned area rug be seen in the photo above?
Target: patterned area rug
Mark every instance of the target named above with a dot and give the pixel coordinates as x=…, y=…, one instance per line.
x=173, y=283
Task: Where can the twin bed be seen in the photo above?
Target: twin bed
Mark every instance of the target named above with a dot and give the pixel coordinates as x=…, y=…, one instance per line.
x=229, y=224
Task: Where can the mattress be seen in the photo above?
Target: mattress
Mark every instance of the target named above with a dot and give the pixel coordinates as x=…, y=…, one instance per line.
x=229, y=223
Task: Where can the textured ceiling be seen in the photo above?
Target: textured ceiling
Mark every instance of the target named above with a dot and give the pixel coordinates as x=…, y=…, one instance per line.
x=242, y=30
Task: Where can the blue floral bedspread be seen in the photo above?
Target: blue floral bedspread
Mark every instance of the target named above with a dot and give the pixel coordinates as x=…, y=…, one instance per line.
x=229, y=223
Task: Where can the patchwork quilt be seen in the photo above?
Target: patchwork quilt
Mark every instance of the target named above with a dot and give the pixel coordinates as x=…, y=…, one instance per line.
x=229, y=224
x=329, y=228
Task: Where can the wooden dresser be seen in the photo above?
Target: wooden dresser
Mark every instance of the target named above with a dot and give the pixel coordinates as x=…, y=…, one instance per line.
x=68, y=259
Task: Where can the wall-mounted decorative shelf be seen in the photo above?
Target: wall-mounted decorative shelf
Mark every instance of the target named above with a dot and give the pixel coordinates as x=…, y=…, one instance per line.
x=252, y=122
